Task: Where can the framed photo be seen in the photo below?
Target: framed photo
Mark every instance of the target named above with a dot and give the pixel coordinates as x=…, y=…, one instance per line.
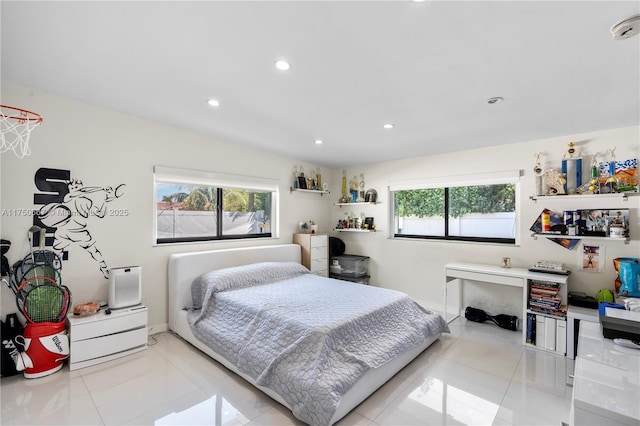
x=302, y=182
x=592, y=258
x=368, y=223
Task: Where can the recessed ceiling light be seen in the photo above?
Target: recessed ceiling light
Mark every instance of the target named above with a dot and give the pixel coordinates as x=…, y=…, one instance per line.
x=213, y=102
x=283, y=65
x=389, y=126
x=494, y=100
x=318, y=141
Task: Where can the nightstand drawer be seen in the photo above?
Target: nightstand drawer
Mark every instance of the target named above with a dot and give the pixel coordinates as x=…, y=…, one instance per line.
x=101, y=324
x=107, y=345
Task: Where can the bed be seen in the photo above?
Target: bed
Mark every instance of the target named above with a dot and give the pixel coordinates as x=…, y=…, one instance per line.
x=203, y=286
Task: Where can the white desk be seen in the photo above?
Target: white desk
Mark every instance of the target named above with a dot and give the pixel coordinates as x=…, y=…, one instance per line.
x=515, y=277
x=606, y=387
x=577, y=314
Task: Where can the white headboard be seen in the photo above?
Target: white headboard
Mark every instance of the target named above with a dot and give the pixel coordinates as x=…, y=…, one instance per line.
x=185, y=267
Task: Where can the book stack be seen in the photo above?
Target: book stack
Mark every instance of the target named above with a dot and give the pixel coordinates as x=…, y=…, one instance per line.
x=544, y=298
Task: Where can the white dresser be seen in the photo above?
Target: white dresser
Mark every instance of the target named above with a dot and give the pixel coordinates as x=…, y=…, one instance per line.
x=101, y=337
x=606, y=384
x=315, y=252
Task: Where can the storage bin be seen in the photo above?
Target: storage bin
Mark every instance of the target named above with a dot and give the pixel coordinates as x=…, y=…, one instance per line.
x=350, y=265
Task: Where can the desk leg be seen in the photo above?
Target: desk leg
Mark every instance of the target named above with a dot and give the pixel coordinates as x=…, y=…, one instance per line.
x=571, y=329
x=444, y=296
x=447, y=284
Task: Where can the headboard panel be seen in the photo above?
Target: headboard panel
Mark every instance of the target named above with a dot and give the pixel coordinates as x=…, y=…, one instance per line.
x=185, y=267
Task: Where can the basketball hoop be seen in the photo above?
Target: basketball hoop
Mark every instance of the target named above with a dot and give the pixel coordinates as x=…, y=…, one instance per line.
x=16, y=125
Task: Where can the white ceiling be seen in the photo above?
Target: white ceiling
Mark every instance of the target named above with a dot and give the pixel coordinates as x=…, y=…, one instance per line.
x=427, y=67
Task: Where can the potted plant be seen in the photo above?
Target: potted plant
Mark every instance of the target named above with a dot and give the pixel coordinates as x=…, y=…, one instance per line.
x=313, y=227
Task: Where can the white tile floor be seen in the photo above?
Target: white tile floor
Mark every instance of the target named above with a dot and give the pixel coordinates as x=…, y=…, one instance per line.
x=480, y=374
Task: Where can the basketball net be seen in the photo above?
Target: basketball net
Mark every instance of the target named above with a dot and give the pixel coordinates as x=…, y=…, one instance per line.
x=16, y=125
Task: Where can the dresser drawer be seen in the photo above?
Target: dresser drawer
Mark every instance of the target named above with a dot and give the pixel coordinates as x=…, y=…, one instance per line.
x=322, y=272
x=319, y=241
x=319, y=252
x=318, y=265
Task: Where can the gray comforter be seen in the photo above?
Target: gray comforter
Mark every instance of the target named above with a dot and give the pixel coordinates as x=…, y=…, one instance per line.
x=306, y=337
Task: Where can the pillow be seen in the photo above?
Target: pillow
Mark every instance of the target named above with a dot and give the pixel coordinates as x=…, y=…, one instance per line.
x=243, y=276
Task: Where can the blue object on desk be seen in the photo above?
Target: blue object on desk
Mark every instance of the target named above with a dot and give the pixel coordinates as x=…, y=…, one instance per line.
x=603, y=305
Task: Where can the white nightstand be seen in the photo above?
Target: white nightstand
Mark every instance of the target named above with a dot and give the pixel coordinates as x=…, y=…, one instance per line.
x=101, y=337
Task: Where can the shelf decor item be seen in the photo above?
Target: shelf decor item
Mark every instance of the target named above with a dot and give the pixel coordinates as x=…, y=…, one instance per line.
x=313, y=227
x=371, y=196
x=624, y=173
x=360, y=198
x=608, y=183
x=555, y=182
x=344, y=198
x=537, y=169
x=571, y=170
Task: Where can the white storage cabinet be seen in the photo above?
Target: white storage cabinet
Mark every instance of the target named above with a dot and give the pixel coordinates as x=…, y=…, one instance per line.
x=315, y=252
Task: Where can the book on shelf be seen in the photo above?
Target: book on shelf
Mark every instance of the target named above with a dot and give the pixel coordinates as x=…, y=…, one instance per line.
x=531, y=328
x=551, y=301
x=548, y=298
x=545, y=296
x=544, y=284
x=560, y=312
x=547, y=291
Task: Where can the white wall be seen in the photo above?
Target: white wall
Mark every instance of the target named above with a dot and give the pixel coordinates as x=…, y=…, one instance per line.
x=106, y=148
x=417, y=266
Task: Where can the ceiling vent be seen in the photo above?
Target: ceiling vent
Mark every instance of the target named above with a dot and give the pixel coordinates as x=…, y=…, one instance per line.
x=626, y=28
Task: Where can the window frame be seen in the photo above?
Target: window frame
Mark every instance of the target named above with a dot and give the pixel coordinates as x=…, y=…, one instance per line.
x=485, y=179
x=220, y=182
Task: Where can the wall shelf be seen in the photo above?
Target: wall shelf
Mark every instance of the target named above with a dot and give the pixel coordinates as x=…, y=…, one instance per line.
x=580, y=237
x=354, y=230
x=354, y=204
x=315, y=191
x=624, y=196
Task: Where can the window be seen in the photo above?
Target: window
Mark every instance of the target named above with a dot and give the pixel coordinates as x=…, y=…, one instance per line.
x=478, y=208
x=202, y=206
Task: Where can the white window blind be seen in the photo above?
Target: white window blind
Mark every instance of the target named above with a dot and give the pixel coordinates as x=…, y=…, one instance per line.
x=221, y=180
x=494, y=178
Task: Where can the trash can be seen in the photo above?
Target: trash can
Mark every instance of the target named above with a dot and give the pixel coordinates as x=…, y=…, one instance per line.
x=47, y=344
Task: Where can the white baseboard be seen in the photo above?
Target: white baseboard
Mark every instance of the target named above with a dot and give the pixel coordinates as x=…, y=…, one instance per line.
x=158, y=328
